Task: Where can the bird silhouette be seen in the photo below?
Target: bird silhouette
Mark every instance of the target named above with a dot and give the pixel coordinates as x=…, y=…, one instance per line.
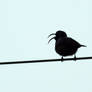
x=64, y=45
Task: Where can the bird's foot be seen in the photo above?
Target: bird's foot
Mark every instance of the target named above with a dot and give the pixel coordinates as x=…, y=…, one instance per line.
x=62, y=59
x=74, y=58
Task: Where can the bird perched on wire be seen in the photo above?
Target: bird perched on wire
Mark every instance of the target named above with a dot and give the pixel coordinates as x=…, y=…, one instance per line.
x=65, y=46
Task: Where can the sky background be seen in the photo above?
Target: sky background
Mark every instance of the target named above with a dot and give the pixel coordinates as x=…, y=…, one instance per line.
x=24, y=28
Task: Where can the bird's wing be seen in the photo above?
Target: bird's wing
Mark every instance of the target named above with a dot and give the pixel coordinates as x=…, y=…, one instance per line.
x=72, y=43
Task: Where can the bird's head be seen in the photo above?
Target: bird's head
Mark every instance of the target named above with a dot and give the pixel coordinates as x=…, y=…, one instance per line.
x=58, y=34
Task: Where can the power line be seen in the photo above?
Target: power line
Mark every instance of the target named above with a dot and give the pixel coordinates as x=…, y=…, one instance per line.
x=42, y=61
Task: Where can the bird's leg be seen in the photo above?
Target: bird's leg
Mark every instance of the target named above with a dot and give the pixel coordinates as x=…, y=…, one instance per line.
x=62, y=59
x=74, y=57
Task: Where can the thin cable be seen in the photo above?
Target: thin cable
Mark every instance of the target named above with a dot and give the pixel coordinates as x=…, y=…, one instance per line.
x=42, y=61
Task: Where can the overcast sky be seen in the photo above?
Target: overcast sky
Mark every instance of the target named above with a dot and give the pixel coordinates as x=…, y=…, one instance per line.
x=25, y=26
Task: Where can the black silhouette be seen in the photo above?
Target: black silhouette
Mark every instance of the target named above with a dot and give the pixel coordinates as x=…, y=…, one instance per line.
x=64, y=45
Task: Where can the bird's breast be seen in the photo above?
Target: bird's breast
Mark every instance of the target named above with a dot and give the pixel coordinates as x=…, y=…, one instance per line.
x=65, y=48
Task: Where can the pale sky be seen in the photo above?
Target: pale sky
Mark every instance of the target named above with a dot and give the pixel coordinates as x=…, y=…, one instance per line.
x=25, y=26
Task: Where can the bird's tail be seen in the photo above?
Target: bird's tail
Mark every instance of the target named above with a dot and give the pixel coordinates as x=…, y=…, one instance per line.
x=83, y=46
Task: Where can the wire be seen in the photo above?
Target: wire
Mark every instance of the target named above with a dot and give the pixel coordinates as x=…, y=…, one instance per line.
x=45, y=60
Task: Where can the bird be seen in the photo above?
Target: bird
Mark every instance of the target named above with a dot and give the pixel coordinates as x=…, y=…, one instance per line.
x=64, y=45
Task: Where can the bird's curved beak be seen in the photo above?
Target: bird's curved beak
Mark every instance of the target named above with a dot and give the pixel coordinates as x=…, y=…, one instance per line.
x=52, y=37
x=51, y=34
